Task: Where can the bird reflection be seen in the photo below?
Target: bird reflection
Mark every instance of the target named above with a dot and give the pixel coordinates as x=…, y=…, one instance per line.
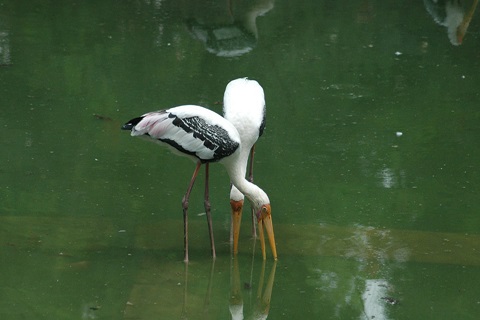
x=261, y=304
x=451, y=14
x=236, y=299
x=263, y=297
x=237, y=34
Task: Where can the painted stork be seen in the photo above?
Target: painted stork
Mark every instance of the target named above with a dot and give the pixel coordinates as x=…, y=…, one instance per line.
x=244, y=107
x=204, y=136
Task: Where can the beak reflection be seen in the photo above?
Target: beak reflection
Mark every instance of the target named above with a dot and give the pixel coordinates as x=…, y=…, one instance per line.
x=264, y=288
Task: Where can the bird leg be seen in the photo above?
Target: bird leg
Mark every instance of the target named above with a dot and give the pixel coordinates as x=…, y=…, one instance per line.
x=185, y=211
x=208, y=213
x=250, y=178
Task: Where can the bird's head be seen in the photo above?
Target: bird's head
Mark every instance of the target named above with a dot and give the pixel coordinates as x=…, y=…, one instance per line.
x=263, y=212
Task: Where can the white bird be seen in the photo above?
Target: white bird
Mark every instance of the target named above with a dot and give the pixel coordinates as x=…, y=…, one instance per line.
x=205, y=136
x=244, y=107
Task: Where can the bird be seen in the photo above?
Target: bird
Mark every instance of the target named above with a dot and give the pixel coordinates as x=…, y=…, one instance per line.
x=244, y=106
x=205, y=137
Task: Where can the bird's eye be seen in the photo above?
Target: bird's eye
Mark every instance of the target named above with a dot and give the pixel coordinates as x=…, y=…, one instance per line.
x=264, y=209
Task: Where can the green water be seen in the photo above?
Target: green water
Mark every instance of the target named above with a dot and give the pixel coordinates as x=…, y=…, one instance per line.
x=370, y=159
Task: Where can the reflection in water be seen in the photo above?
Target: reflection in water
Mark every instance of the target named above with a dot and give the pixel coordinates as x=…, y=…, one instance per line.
x=451, y=14
x=263, y=297
x=374, y=299
x=4, y=48
x=236, y=298
x=236, y=302
x=185, y=291
x=372, y=258
x=209, y=288
x=208, y=294
x=237, y=35
x=263, y=300
x=389, y=178
x=368, y=287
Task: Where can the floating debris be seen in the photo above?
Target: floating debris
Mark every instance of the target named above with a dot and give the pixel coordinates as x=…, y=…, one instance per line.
x=100, y=117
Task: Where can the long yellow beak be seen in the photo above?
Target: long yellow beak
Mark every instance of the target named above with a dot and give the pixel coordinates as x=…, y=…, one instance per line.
x=236, y=220
x=265, y=219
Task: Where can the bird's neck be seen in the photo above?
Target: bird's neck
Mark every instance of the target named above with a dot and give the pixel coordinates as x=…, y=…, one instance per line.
x=235, y=194
x=237, y=176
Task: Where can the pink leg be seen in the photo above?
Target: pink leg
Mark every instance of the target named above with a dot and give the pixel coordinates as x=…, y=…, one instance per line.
x=185, y=210
x=208, y=213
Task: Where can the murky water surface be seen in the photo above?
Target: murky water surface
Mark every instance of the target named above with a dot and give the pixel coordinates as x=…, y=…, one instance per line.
x=370, y=159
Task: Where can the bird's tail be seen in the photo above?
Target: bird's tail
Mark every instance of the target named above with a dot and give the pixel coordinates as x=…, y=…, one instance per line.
x=132, y=123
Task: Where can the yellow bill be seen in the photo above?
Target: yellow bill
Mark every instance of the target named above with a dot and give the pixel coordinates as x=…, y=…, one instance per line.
x=237, y=207
x=265, y=219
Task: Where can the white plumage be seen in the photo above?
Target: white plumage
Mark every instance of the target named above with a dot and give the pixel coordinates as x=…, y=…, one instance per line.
x=244, y=106
x=191, y=131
